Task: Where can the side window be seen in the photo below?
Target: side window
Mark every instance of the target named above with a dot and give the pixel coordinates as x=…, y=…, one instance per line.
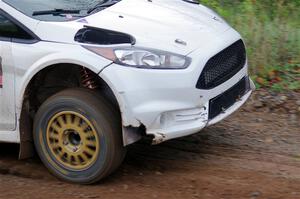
x=8, y=29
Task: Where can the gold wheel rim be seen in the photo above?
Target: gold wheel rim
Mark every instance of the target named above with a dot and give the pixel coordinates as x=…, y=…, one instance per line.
x=72, y=140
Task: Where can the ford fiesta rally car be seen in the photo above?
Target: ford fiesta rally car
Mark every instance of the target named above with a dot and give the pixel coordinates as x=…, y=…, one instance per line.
x=83, y=79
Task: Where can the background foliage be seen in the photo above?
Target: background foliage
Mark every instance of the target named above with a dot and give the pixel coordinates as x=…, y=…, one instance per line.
x=271, y=29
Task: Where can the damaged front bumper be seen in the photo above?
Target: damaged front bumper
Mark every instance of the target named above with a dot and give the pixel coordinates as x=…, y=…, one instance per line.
x=167, y=102
x=186, y=122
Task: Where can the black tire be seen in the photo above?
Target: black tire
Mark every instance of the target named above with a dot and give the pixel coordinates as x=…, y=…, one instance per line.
x=106, y=122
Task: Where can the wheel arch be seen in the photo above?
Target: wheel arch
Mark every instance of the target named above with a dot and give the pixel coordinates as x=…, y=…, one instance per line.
x=131, y=133
x=48, y=61
x=25, y=121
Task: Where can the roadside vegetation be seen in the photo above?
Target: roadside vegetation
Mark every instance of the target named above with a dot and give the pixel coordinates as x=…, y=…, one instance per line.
x=271, y=30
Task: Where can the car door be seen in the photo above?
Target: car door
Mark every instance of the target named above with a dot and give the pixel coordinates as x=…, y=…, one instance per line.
x=7, y=81
x=12, y=33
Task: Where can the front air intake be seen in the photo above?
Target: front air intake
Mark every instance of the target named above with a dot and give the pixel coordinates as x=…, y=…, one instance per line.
x=223, y=66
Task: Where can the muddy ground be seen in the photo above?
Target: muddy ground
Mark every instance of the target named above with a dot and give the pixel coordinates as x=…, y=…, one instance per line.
x=253, y=154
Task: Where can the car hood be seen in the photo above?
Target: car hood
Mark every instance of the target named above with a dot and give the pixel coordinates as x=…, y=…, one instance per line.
x=171, y=25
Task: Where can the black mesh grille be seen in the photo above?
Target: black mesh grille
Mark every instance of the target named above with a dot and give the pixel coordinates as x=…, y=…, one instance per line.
x=223, y=66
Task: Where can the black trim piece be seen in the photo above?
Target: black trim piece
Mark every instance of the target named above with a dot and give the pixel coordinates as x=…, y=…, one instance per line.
x=93, y=35
x=227, y=99
x=192, y=1
x=34, y=39
x=5, y=39
x=24, y=41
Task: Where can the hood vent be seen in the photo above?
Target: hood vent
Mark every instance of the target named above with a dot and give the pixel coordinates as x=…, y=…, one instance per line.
x=98, y=36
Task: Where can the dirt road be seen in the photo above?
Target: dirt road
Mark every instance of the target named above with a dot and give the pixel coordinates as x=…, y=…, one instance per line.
x=253, y=154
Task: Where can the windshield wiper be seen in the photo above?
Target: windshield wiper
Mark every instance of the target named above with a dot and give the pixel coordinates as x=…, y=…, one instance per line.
x=103, y=5
x=55, y=12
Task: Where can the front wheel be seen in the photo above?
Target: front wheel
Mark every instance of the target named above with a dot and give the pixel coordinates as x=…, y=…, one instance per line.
x=77, y=135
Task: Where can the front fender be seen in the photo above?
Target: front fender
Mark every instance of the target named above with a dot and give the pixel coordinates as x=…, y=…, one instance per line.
x=46, y=54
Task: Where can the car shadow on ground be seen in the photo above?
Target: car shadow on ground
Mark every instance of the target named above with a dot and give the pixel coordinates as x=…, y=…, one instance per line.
x=142, y=158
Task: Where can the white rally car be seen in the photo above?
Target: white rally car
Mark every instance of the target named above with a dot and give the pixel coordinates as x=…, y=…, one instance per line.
x=83, y=79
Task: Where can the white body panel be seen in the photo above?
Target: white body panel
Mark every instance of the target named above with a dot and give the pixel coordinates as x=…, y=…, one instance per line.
x=166, y=102
x=7, y=94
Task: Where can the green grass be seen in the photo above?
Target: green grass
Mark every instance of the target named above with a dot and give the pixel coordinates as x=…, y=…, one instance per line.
x=271, y=30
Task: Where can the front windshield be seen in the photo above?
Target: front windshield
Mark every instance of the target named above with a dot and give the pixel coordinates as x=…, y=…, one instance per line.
x=28, y=7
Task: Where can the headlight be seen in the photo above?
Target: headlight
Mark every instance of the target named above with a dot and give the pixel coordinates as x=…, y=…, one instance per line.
x=142, y=58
